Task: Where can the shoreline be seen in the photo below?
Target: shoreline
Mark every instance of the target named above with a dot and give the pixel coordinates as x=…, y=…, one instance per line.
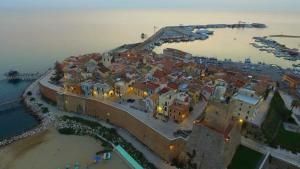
x=35, y=111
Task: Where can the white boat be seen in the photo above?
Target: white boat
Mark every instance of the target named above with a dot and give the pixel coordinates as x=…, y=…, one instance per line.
x=204, y=31
x=247, y=61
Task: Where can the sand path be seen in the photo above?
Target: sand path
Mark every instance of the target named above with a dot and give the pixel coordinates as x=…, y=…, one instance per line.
x=51, y=150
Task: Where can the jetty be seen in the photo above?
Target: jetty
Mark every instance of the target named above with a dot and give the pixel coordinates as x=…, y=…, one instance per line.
x=284, y=36
x=170, y=34
x=279, y=50
x=15, y=75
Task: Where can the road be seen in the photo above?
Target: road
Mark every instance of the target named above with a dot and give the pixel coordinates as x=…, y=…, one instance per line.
x=277, y=153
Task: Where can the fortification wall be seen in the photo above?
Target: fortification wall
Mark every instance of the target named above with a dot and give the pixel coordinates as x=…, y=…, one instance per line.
x=166, y=148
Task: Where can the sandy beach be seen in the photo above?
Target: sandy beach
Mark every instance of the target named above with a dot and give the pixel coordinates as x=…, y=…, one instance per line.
x=51, y=150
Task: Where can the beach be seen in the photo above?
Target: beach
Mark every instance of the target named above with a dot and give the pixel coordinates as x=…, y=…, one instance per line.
x=51, y=150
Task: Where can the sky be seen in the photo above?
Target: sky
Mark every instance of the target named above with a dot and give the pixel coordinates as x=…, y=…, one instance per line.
x=240, y=5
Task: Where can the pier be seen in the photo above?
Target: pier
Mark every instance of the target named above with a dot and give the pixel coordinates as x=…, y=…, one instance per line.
x=180, y=33
x=15, y=75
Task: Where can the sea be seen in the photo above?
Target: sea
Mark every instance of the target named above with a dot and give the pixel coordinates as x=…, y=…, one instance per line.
x=32, y=40
x=14, y=119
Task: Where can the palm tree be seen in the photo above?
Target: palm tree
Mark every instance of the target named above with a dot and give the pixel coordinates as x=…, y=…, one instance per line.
x=295, y=103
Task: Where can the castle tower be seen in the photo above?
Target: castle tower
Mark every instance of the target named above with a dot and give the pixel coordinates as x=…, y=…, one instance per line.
x=214, y=139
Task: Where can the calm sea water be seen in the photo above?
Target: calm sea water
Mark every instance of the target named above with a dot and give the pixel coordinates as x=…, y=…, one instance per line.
x=34, y=40
x=15, y=120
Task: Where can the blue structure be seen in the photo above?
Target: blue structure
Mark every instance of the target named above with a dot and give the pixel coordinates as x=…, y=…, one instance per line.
x=97, y=158
x=129, y=159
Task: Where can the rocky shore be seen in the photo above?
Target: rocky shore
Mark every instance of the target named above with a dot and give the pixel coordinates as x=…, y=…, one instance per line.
x=35, y=109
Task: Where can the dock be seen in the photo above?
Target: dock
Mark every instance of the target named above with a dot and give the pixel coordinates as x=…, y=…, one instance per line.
x=170, y=34
x=15, y=75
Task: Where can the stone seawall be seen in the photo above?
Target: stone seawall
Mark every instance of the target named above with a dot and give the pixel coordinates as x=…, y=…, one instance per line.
x=162, y=146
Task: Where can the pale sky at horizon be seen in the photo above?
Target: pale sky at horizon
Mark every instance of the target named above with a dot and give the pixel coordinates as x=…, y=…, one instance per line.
x=248, y=5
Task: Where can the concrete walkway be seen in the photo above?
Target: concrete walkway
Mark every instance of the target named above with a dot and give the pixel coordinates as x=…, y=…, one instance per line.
x=281, y=154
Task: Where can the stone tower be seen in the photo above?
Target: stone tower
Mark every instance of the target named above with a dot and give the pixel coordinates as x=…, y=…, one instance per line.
x=214, y=139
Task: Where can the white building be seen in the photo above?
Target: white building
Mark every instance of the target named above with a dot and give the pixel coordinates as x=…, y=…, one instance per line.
x=91, y=66
x=164, y=101
x=220, y=90
x=106, y=59
x=244, y=104
x=120, y=88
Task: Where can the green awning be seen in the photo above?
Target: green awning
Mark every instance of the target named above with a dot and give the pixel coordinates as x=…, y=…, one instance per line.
x=128, y=157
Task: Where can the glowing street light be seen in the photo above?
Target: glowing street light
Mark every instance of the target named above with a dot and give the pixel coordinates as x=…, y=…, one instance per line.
x=159, y=109
x=145, y=94
x=241, y=120
x=171, y=147
x=95, y=93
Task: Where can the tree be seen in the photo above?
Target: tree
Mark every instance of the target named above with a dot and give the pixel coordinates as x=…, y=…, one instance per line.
x=295, y=103
x=59, y=73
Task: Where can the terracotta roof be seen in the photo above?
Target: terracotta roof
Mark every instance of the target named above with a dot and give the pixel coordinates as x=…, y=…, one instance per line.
x=293, y=77
x=159, y=74
x=139, y=85
x=239, y=83
x=151, y=85
x=173, y=85
x=178, y=106
x=164, y=90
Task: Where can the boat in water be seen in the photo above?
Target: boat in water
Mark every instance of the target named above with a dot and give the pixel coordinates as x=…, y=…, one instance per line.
x=247, y=61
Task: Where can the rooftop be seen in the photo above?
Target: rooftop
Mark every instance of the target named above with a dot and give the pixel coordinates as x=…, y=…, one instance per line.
x=246, y=99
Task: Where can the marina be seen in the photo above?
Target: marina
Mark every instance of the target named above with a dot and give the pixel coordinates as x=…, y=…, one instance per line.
x=279, y=50
x=173, y=34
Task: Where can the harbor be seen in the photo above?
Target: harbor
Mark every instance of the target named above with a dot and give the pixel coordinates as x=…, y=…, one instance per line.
x=266, y=44
x=181, y=33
